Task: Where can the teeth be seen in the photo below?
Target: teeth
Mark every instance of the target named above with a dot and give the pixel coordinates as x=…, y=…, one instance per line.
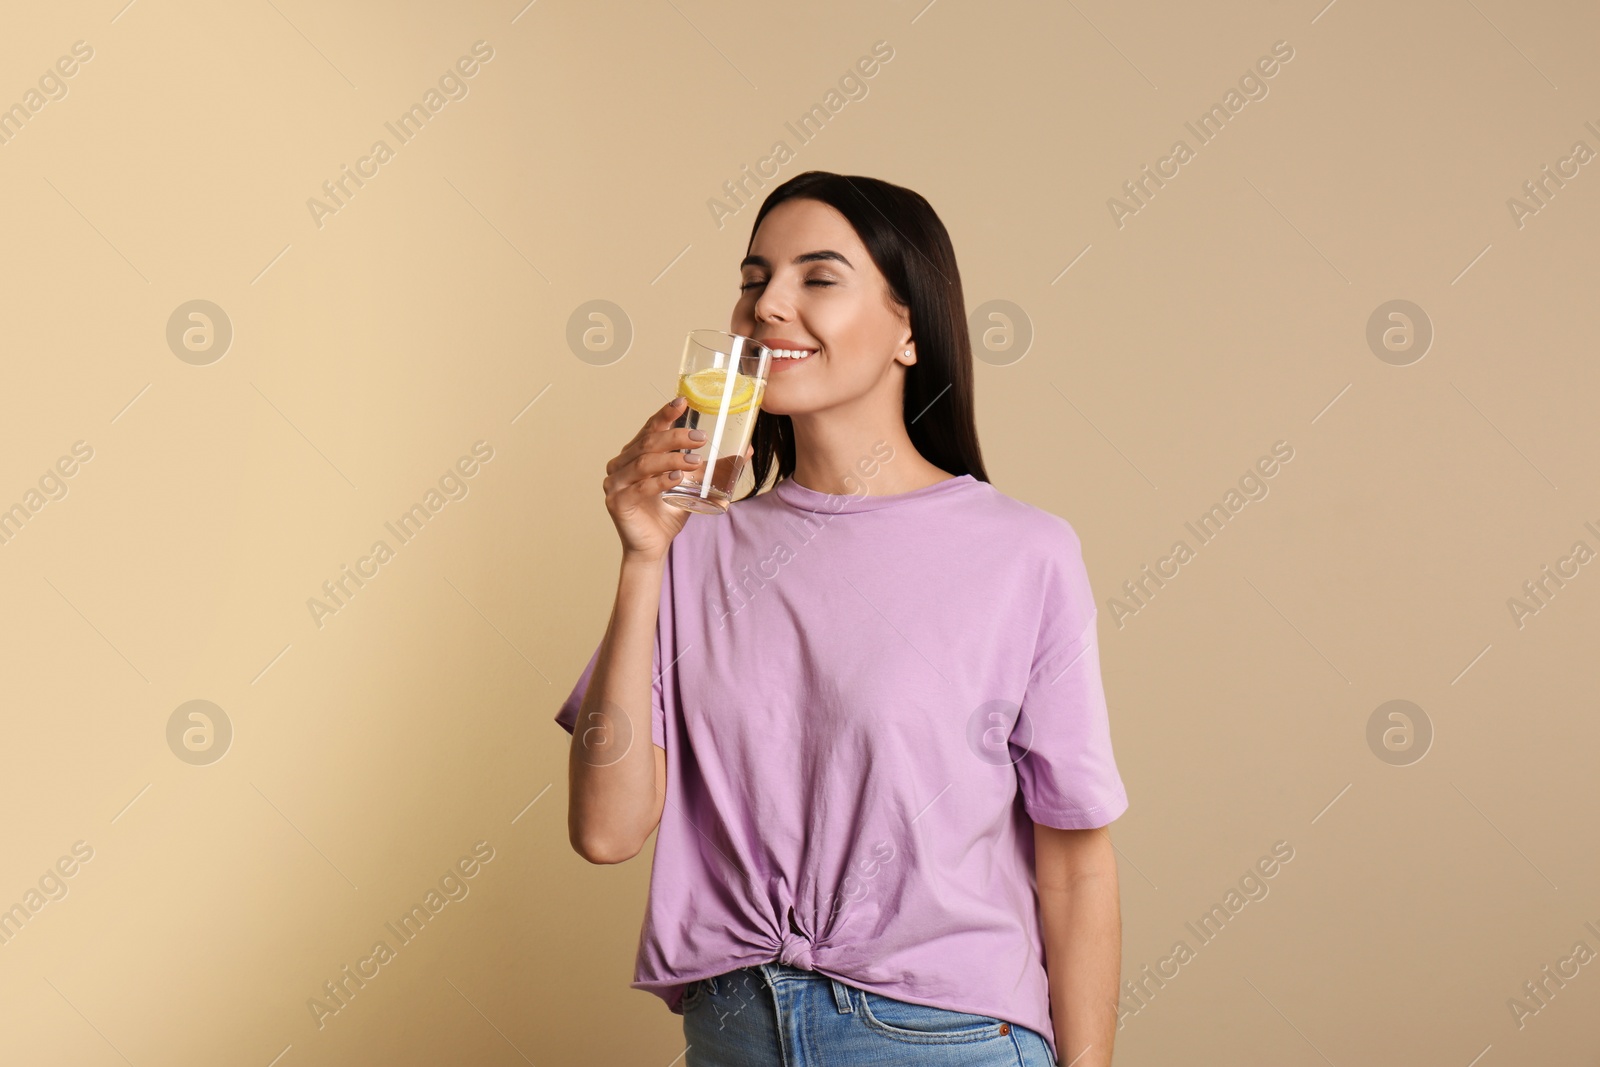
x=789, y=353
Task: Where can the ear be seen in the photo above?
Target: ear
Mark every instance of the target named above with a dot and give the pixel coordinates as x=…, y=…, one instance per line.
x=906, y=350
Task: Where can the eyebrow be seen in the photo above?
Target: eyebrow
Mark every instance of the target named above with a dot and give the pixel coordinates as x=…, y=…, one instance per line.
x=805, y=257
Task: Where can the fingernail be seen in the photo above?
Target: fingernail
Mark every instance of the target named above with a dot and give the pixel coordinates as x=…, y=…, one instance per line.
x=697, y=435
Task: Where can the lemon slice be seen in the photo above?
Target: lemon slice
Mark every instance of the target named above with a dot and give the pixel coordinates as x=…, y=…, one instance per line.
x=704, y=390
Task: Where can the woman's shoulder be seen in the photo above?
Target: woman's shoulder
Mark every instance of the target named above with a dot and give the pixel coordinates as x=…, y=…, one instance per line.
x=1032, y=527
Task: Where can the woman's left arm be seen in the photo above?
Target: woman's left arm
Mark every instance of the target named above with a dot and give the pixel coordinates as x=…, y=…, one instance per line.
x=1082, y=920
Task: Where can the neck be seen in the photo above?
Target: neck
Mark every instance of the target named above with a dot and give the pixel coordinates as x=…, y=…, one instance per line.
x=852, y=458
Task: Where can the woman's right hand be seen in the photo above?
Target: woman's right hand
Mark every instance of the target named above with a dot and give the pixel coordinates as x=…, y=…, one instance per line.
x=636, y=477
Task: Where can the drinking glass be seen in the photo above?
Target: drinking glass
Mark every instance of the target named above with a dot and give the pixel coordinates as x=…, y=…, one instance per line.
x=723, y=376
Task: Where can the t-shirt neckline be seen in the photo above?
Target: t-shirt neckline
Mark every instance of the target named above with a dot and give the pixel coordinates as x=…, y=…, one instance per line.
x=796, y=495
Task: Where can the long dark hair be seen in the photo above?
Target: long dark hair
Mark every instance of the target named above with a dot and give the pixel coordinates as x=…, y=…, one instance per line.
x=912, y=248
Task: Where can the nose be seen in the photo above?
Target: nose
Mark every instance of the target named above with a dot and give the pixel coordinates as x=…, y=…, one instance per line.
x=771, y=307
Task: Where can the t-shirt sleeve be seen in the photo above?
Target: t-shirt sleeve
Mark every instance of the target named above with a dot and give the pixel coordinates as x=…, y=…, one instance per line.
x=568, y=715
x=1066, y=771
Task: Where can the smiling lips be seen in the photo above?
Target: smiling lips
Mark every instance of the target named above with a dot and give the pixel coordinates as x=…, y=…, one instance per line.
x=787, y=353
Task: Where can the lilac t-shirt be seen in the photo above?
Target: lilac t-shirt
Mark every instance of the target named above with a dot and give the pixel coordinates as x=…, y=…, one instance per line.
x=865, y=700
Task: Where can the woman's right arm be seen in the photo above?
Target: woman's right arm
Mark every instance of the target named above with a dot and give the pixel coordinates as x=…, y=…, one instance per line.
x=616, y=776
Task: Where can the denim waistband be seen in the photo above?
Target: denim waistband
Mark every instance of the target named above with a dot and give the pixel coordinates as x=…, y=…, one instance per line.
x=775, y=973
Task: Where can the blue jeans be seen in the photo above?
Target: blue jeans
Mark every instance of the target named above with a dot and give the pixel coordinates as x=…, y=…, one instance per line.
x=788, y=1017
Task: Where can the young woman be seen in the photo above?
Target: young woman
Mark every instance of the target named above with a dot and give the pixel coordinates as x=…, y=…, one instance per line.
x=881, y=750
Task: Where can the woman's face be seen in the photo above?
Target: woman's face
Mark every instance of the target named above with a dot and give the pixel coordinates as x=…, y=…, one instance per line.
x=809, y=284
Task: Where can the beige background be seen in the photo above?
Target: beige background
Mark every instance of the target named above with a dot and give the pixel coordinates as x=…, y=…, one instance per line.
x=368, y=354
